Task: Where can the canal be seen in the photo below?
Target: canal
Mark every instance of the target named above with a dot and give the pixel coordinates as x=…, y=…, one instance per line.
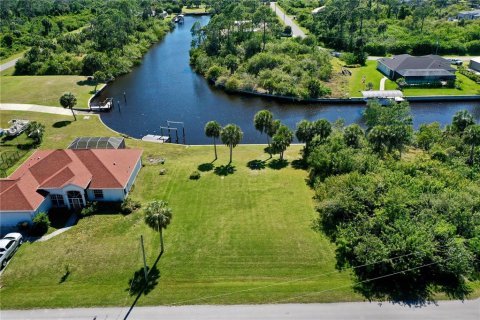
x=164, y=88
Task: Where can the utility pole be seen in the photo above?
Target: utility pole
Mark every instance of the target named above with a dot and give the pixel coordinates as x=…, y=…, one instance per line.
x=144, y=261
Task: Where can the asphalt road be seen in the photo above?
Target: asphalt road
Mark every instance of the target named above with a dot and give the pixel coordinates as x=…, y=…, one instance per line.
x=296, y=31
x=8, y=64
x=446, y=310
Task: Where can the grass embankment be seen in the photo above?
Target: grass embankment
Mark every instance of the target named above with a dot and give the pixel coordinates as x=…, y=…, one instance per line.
x=371, y=74
x=250, y=230
x=44, y=90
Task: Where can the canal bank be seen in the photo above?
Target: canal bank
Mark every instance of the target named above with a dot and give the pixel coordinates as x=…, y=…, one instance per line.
x=164, y=88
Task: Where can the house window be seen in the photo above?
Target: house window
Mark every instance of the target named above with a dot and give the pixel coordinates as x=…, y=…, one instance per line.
x=57, y=200
x=98, y=194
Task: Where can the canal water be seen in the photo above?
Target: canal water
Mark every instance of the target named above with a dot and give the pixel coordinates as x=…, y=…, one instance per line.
x=164, y=88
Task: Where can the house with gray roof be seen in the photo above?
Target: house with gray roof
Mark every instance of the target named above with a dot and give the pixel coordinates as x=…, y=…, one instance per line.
x=469, y=15
x=417, y=70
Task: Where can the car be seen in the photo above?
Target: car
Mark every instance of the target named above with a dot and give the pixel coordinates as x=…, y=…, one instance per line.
x=8, y=245
x=7, y=248
x=456, y=62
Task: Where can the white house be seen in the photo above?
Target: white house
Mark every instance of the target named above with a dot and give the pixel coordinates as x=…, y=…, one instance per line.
x=475, y=64
x=66, y=178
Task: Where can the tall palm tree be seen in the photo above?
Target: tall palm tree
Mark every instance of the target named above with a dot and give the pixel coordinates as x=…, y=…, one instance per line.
x=68, y=100
x=158, y=216
x=231, y=136
x=461, y=120
x=263, y=121
x=212, y=130
x=472, y=137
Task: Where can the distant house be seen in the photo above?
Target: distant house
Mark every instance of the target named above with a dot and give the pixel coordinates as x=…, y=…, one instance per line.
x=475, y=64
x=469, y=15
x=66, y=178
x=417, y=70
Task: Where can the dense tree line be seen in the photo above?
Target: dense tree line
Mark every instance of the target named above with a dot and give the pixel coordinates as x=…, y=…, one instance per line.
x=241, y=49
x=408, y=224
x=111, y=37
x=380, y=27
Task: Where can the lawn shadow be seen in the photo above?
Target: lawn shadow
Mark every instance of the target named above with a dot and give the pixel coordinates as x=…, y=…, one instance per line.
x=86, y=82
x=224, y=170
x=256, y=164
x=65, y=275
x=205, y=167
x=277, y=164
x=61, y=124
x=26, y=146
x=137, y=282
x=299, y=164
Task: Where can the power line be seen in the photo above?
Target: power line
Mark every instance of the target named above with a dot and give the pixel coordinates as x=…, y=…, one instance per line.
x=294, y=280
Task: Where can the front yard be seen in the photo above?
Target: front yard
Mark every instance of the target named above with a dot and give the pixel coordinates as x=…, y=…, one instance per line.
x=245, y=237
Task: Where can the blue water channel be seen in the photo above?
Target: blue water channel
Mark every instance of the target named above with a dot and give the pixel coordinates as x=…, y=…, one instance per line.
x=164, y=88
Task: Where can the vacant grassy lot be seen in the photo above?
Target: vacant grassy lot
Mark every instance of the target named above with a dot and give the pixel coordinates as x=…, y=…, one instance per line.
x=244, y=237
x=371, y=74
x=199, y=9
x=44, y=90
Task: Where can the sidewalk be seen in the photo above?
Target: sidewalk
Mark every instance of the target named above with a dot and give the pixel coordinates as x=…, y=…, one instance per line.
x=38, y=108
x=70, y=223
x=8, y=64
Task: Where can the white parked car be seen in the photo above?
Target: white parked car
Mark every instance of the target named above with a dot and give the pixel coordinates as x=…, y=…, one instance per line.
x=8, y=245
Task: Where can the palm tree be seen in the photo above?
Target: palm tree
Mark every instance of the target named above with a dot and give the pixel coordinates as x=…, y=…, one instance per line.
x=68, y=100
x=231, y=136
x=472, y=137
x=158, y=216
x=212, y=130
x=461, y=120
x=281, y=140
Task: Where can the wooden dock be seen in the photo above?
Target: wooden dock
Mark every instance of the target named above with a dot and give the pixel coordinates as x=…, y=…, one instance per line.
x=106, y=105
x=157, y=139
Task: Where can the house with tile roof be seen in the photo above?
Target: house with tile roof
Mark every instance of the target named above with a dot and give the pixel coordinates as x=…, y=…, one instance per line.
x=66, y=178
x=417, y=70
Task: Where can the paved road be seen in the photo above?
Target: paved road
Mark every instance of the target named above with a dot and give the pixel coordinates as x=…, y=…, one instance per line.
x=38, y=108
x=360, y=310
x=296, y=31
x=8, y=64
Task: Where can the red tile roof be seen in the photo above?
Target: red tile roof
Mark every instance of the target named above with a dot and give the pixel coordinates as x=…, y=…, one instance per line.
x=54, y=169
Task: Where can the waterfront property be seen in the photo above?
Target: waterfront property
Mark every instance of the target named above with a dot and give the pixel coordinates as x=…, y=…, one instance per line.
x=417, y=70
x=66, y=178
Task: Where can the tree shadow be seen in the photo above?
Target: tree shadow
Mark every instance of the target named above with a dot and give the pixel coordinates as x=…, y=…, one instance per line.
x=65, y=275
x=224, y=170
x=61, y=124
x=137, y=283
x=86, y=82
x=299, y=164
x=277, y=164
x=26, y=146
x=256, y=164
x=205, y=167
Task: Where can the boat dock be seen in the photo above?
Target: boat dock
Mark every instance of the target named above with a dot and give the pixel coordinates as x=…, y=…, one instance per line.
x=157, y=139
x=106, y=105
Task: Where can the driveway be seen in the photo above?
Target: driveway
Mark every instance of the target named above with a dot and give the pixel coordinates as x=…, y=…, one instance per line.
x=445, y=310
x=8, y=64
x=296, y=31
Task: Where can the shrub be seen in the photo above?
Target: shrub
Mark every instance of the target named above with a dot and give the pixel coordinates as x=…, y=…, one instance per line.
x=195, y=175
x=129, y=205
x=40, y=224
x=90, y=208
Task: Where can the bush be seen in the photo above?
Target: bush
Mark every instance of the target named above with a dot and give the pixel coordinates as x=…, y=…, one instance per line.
x=40, y=224
x=195, y=175
x=129, y=205
x=91, y=208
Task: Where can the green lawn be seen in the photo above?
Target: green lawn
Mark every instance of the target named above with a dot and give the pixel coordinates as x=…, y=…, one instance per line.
x=371, y=74
x=44, y=90
x=200, y=9
x=242, y=238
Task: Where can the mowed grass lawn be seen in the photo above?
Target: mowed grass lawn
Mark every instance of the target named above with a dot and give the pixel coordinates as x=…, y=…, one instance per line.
x=44, y=90
x=371, y=74
x=242, y=238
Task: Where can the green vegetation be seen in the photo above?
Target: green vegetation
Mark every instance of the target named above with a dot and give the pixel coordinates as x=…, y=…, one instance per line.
x=409, y=222
x=378, y=27
x=194, y=9
x=243, y=231
x=241, y=49
x=45, y=90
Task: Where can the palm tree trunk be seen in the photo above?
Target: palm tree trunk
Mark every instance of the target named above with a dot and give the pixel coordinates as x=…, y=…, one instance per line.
x=471, y=154
x=215, y=147
x=231, y=149
x=161, y=242
x=73, y=114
